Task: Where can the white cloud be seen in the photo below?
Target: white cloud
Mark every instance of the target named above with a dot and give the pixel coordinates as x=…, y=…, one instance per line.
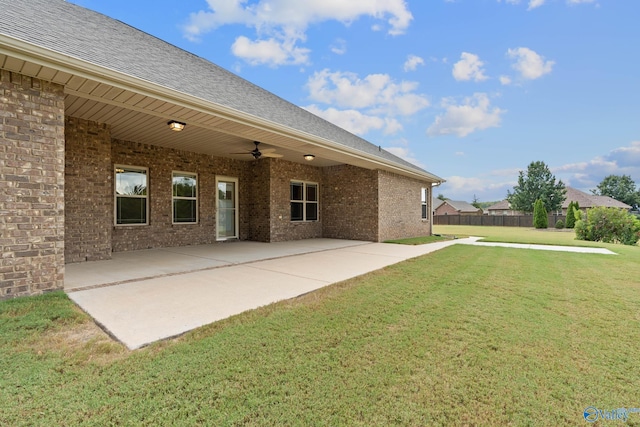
x=505, y=80
x=412, y=62
x=469, y=68
x=474, y=114
x=270, y=52
x=587, y=175
x=406, y=154
x=376, y=92
x=529, y=64
x=339, y=47
x=285, y=22
x=354, y=121
x=535, y=3
x=485, y=188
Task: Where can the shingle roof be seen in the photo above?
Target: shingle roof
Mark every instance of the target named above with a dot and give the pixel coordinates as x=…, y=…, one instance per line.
x=589, y=200
x=461, y=206
x=89, y=36
x=584, y=200
x=500, y=206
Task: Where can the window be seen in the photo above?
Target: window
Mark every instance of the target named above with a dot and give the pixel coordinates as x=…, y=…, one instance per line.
x=131, y=195
x=425, y=210
x=185, y=198
x=304, y=201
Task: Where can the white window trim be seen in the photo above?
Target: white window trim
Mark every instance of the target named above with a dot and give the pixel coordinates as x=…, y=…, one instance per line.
x=424, y=203
x=304, y=201
x=115, y=195
x=173, y=219
x=236, y=205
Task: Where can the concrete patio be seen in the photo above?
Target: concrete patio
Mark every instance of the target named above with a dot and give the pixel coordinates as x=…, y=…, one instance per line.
x=144, y=296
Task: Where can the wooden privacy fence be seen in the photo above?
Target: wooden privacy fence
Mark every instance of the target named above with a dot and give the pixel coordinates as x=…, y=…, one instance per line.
x=493, y=220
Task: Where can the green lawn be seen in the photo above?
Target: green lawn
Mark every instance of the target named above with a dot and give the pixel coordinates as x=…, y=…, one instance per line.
x=463, y=336
x=548, y=236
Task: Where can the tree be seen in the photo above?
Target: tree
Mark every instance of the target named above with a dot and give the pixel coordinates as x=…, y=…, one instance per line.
x=476, y=203
x=441, y=197
x=571, y=214
x=619, y=187
x=537, y=183
x=609, y=225
x=540, y=218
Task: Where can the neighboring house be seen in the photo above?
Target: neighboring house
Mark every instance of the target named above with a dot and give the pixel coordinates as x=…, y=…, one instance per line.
x=585, y=201
x=455, y=207
x=502, y=208
x=91, y=165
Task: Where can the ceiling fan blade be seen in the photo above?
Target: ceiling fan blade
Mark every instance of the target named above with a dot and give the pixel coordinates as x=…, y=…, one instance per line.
x=274, y=155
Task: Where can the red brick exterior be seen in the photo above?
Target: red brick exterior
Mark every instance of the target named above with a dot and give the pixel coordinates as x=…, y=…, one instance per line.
x=400, y=212
x=57, y=202
x=31, y=186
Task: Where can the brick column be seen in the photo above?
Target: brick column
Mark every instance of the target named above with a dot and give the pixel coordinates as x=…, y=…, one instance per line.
x=31, y=186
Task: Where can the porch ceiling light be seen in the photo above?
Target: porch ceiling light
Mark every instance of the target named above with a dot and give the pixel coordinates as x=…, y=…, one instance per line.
x=309, y=157
x=177, y=126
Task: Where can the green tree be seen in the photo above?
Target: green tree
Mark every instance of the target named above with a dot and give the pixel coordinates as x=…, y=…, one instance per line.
x=609, y=225
x=476, y=203
x=540, y=218
x=441, y=197
x=619, y=187
x=537, y=183
x=571, y=215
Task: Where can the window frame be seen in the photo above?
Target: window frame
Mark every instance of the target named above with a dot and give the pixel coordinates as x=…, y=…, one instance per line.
x=174, y=198
x=424, y=205
x=116, y=196
x=304, y=201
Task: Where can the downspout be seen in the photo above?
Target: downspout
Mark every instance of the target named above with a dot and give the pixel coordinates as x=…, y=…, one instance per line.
x=430, y=201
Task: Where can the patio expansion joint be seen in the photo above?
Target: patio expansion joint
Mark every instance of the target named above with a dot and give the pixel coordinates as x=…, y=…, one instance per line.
x=179, y=273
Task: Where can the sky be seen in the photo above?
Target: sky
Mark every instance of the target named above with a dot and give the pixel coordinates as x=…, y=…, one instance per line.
x=473, y=91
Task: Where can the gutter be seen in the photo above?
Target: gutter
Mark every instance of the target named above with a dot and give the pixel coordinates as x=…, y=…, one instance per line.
x=28, y=52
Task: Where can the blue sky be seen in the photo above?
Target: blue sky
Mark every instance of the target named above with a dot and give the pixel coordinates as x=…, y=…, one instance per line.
x=471, y=90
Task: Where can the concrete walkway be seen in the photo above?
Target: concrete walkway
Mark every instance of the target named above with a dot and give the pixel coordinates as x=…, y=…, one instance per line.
x=144, y=296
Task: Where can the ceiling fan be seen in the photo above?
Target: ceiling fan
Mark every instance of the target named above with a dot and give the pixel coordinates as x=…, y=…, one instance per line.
x=256, y=153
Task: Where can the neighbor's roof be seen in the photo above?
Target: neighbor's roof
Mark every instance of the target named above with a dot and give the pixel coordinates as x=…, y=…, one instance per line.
x=502, y=205
x=461, y=206
x=584, y=200
x=590, y=201
x=81, y=34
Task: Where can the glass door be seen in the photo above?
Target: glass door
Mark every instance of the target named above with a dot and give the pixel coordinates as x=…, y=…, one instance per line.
x=227, y=222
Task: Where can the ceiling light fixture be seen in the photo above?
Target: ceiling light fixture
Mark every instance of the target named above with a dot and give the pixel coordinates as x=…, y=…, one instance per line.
x=309, y=157
x=176, y=126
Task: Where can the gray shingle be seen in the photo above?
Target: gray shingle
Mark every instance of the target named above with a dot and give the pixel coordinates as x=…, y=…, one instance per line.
x=83, y=34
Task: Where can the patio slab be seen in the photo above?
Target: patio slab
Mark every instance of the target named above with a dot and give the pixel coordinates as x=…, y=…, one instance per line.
x=140, y=311
x=166, y=292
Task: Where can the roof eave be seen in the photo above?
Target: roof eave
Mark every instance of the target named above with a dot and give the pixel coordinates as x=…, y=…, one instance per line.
x=48, y=58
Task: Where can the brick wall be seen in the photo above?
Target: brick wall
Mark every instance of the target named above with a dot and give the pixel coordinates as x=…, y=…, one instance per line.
x=161, y=162
x=446, y=209
x=31, y=186
x=282, y=173
x=400, y=210
x=349, y=203
x=258, y=192
x=88, y=191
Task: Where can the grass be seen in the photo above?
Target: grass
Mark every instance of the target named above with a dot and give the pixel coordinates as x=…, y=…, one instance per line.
x=420, y=240
x=463, y=336
x=564, y=237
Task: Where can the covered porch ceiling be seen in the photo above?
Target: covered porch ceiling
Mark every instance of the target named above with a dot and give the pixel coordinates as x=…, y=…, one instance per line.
x=138, y=111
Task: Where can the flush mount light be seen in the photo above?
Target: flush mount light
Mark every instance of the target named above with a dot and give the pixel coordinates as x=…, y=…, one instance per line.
x=309, y=157
x=177, y=126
